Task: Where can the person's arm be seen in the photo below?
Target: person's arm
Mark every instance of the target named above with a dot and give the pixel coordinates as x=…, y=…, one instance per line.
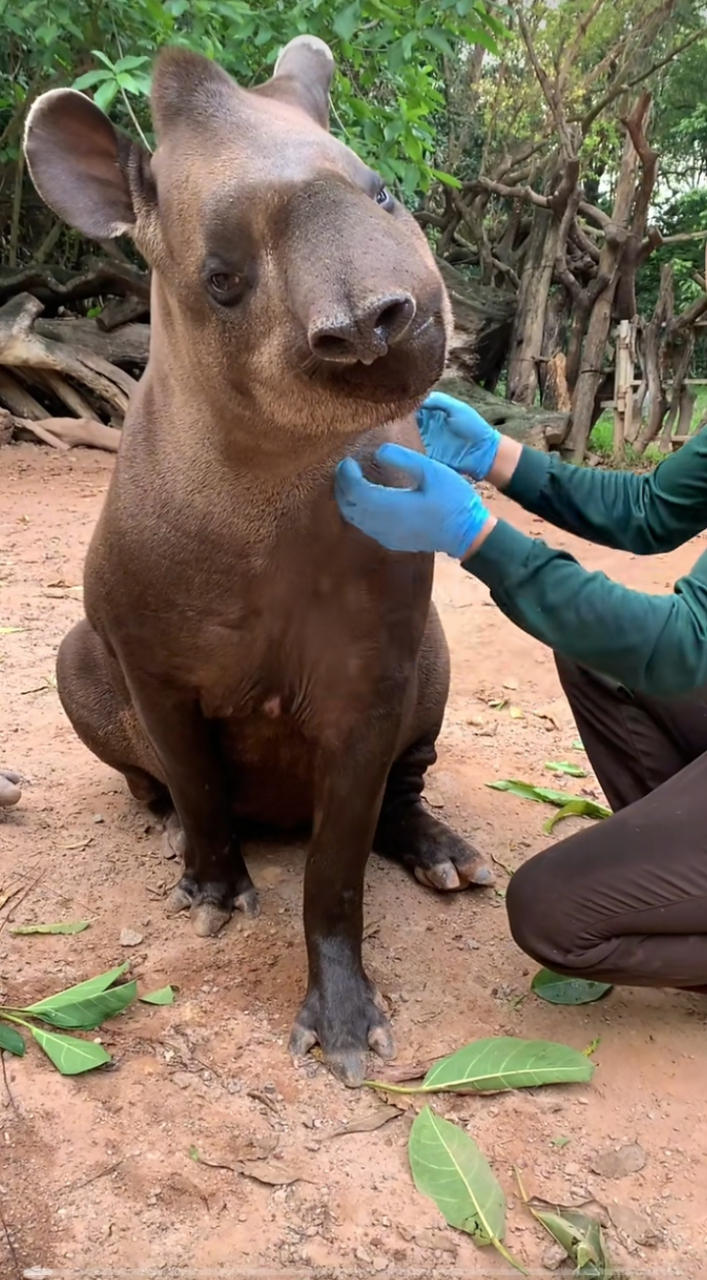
x=655, y=644
x=651, y=643
x=643, y=514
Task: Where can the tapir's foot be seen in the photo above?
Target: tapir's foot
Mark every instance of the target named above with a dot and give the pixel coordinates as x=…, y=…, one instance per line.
x=435, y=854
x=346, y=1021
x=211, y=904
x=10, y=790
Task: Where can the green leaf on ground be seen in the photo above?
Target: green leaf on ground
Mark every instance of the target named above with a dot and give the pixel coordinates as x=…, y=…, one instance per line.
x=578, y=1232
x=578, y=745
x=89, y=1013
x=557, y=989
x=543, y=795
x=91, y=987
x=507, y=1062
x=564, y=766
x=448, y=1167
x=70, y=1055
x=576, y=807
x=70, y=926
x=564, y=801
x=165, y=995
x=11, y=1040
x=11, y=631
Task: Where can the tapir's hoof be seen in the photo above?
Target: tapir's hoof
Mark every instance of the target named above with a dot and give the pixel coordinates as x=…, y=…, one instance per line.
x=345, y=1044
x=210, y=907
x=10, y=790
x=436, y=855
x=207, y=919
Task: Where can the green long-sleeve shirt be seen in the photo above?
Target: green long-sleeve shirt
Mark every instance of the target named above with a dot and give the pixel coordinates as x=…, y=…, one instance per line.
x=650, y=643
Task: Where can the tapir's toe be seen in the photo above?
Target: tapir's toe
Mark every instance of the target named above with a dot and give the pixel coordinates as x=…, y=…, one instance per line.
x=248, y=903
x=174, y=843
x=178, y=900
x=208, y=918
x=437, y=857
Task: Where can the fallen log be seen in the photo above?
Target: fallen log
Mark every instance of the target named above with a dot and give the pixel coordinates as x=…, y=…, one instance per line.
x=128, y=345
x=543, y=428
x=62, y=433
x=22, y=347
x=57, y=285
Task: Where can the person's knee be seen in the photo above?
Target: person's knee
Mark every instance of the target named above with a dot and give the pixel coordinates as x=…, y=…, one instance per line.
x=537, y=920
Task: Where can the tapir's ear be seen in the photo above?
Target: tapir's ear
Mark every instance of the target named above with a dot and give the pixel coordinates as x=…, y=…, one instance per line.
x=308, y=64
x=90, y=174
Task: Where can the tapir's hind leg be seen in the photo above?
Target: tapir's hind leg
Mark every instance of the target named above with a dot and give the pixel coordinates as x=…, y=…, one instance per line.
x=94, y=697
x=99, y=709
x=407, y=831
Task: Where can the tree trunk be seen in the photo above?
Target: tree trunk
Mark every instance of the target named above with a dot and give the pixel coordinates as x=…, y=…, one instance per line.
x=529, y=324
x=483, y=319
x=597, y=335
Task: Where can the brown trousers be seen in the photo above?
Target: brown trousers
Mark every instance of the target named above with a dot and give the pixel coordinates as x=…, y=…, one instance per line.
x=625, y=899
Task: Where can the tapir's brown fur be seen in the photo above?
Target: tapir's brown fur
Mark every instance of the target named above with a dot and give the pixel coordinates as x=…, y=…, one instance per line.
x=245, y=654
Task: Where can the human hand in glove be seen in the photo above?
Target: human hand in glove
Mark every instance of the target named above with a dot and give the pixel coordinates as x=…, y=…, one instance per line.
x=440, y=511
x=455, y=434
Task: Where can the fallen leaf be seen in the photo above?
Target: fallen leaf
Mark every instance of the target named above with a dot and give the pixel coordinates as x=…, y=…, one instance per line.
x=634, y=1226
x=577, y=807
x=5, y=897
x=70, y=1055
x=11, y=1040
x=367, y=1124
x=620, y=1162
x=11, y=631
x=270, y=1174
x=565, y=767
x=69, y=926
x=88, y=1013
x=516, y=713
x=577, y=1231
x=165, y=995
x=449, y=1168
x=81, y=991
x=503, y=1062
x=557, y=989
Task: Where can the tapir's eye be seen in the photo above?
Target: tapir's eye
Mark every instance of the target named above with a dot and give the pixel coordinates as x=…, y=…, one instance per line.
x=384, y=198
x=226, y=288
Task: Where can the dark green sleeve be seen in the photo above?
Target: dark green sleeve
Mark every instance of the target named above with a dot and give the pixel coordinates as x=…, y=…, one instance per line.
x=652, y=644
x=643, y=514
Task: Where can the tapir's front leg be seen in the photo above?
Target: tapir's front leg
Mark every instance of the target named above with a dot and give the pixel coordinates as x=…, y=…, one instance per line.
x=341, y=1011
x=215, y=874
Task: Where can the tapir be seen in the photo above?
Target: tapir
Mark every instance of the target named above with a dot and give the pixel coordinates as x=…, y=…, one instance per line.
x=247, y=657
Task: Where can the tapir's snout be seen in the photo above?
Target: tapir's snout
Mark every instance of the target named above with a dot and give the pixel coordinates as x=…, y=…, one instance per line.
x=363, y=333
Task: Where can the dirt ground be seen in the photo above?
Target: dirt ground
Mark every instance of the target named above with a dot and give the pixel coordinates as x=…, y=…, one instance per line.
x=98, y=1173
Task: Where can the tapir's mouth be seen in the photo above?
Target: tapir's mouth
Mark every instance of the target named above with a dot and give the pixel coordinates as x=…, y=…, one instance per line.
x=405, y=372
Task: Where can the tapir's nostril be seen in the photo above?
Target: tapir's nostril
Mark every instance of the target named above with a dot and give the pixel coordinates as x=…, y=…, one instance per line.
x=363, y=335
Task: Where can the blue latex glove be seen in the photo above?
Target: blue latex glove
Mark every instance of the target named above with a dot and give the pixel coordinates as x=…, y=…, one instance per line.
x=455, y=434
x=442, y=512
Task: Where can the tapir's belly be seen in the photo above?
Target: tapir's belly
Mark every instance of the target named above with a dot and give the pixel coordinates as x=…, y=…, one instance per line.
x=272, y=766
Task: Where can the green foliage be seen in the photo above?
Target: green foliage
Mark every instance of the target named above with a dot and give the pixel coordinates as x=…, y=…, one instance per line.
x=84, y=1008
x=389, y=54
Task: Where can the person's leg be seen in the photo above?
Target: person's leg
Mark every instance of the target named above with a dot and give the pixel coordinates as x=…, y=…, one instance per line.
x=625, y=900
x=634, y=743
